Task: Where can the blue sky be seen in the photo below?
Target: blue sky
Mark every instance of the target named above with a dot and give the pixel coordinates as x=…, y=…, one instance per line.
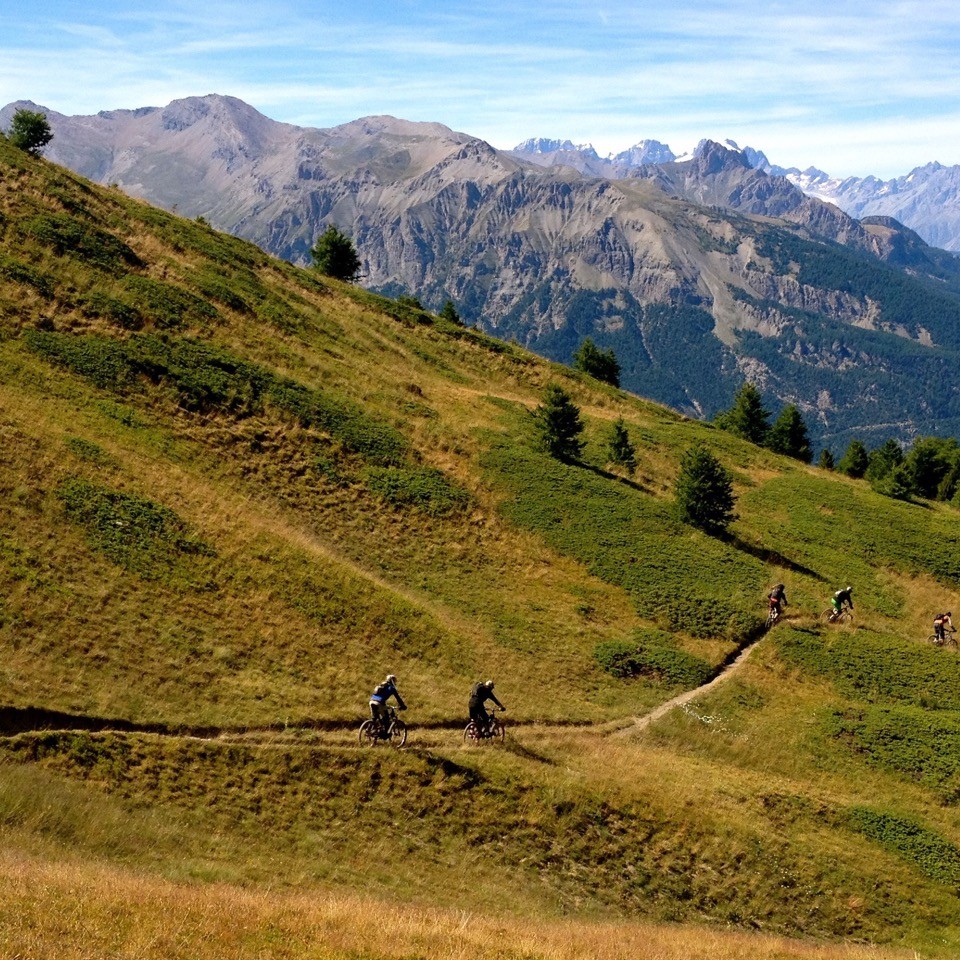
x=853, y=87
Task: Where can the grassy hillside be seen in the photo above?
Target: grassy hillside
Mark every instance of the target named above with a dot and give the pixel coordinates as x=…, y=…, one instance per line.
x=234, y=495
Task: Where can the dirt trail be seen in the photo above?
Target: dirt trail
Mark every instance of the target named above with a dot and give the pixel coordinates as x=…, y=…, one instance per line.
x=333, y=733
x=641, y=723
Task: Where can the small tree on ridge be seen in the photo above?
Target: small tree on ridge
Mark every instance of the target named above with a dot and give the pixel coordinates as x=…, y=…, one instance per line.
x=704, y=492
x=335, y=256
x=559, y=425
x=601, y=364
x=30, y=131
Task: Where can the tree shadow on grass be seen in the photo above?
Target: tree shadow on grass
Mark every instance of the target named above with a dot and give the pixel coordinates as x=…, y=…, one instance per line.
x=773, y=557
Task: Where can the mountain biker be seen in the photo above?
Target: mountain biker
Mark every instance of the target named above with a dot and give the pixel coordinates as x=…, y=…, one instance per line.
x=778, y=600
x=378, y=699
x=840, y=598
x=479, y=695
x=941, y=624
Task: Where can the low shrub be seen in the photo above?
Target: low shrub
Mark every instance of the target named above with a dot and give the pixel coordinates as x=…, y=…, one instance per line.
x=426, y=489
x=875, y=667
x=138, y=534
x=167, y=306
x=931, y=854
x=652, y=654
x=69, y=236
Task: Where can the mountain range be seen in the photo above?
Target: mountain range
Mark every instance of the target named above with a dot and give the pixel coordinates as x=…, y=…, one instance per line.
x=699, y=272
x=927, y=199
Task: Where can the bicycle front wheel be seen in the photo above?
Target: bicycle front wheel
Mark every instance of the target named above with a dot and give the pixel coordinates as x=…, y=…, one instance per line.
x=398, y=733
x=498, y=732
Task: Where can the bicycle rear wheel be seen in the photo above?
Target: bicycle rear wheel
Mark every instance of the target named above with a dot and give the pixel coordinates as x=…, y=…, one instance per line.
x=398, y=733
x=368, y=733
x=827, y=616
x=470, y=733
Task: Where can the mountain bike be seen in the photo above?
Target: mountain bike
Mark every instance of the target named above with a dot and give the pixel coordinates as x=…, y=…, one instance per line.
x=948, y=639
x=393, y=730
x=772, y=618
x=831, y=616
x=494, y=730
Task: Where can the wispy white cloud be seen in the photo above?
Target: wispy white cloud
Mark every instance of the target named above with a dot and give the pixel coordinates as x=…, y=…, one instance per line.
x=866, y=83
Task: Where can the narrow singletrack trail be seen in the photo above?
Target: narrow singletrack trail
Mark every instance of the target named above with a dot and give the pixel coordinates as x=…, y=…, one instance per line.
x=641, y=723
x=341, y=734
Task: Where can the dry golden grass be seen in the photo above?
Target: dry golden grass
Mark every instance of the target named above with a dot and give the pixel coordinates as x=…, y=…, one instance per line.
x=70, y=911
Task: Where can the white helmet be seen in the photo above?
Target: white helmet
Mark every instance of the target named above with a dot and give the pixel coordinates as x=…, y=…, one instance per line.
x=488, y=684
x=391, y=678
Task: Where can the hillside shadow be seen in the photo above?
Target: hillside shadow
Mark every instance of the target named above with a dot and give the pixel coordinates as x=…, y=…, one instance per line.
x=773, y=557
x=616, y=477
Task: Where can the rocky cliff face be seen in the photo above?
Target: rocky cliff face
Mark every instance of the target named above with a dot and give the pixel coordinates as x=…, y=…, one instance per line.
x=697, y=273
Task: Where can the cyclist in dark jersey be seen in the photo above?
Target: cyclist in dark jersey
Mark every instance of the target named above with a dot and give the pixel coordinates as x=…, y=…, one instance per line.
x=840, y=598
x=479, y=695
x=381, y=694
x=778, y=600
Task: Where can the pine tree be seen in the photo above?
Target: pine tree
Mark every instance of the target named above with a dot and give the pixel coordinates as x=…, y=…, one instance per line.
x=704, y=492
x=788, y=435
x=855, y=461
x=334, y=255
x=826, y=461
x=449, y=313
x=883, y=459
x=620, y=450
x=559, y=424
x=601, y=364
x=747, y=418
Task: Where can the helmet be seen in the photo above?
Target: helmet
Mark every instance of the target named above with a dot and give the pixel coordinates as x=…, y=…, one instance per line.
x=488, y=684
x=849, y=589
x=779, y=586
x=391, y=678
x=948, y=614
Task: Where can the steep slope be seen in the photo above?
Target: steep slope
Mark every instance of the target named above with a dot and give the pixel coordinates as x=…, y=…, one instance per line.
x=234, y=495
x=697, y=273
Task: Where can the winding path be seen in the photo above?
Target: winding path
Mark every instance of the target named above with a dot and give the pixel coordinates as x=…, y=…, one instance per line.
x=14, y=721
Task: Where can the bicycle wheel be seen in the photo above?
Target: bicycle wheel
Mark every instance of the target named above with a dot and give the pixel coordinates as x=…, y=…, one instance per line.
x=470, y=733
x=398, y=733
x=497, y=731
x=845, y=617
x=368, y=734
x=827, y=616
x=950, y=641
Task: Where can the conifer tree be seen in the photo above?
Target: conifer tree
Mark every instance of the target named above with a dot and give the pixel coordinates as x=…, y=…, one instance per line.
x=601, y=364
x=704, y=492
x=883, y=459
x=788, y=435
x=855, y=461
x=335, y=256
x=449, y=312
x=559, y=425
x=826, y=461
x=747, y=418
x=620, y=450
